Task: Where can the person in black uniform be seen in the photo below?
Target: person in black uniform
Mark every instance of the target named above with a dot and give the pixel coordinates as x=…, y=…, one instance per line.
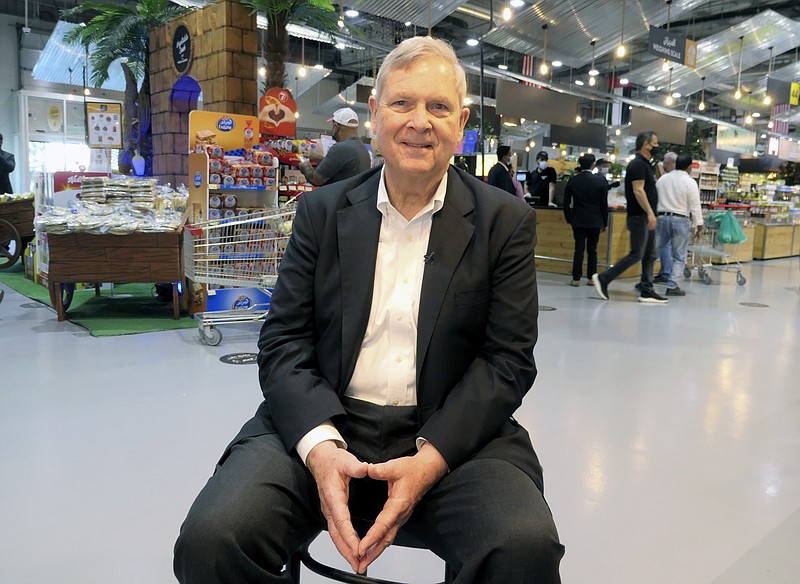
x=586, y=210
x=499, y=175
x=542, y=182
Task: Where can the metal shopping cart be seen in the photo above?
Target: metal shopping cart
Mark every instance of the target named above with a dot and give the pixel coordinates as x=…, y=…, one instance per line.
x=708, y=253
x=241, y=252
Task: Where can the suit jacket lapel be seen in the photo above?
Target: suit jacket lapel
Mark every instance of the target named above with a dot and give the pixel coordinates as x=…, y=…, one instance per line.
x=451, y=232
x=358, y=229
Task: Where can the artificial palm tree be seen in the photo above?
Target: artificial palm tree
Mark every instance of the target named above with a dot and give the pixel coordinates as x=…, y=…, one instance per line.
x=116, y=32
x=318, y=14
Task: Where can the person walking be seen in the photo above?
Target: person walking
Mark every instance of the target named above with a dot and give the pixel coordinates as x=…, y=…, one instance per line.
x=679, y=212
x=642, y=199
x=586, y=210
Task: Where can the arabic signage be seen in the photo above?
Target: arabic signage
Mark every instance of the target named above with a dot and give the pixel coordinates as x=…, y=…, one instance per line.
x=672, y=47
x=181, y=49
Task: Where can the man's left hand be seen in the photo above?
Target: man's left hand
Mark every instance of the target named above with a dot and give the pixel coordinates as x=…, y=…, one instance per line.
x=409, y=479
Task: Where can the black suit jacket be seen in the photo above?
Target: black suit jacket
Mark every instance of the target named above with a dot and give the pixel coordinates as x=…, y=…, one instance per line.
x=499, y=177
x=586, y=201
x=7, y=165
x=476, y=324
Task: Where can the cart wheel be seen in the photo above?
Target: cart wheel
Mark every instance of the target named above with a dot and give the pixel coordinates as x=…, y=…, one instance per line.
x=10, y=244
x=706, y=279
x=67, y=291
x=741, y=280
x=212, y=338
x=687, y=272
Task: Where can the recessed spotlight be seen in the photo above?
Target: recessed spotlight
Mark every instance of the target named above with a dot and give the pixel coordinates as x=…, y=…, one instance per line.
x=578, y=82
x=756, y=115
x=318, y=66
x=763, y=136
x=472, y=42
x=351, y=13
x=624, y=81
x=557, y=63
x=594, y=72
x=503, y=66
x=407, y=23
x=517, y=3
x=690, y=119
x=676, y=94
x=651, y=88
x=617, y=132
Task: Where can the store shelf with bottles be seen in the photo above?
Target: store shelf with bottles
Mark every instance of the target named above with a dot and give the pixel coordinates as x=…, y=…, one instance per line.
x=708, y=181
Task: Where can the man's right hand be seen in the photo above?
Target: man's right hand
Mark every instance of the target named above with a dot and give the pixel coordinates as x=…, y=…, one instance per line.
x=651, y=221
x=332, y=468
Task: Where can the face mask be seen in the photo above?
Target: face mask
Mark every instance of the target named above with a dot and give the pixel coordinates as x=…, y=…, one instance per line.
x=543, y=164
x=603, y=171
x=654, y=150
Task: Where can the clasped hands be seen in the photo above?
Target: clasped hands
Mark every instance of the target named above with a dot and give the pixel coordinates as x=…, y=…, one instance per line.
x=408, y=478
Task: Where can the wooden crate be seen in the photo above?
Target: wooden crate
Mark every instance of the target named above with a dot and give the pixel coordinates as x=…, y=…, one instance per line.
x=773, y=241
x=136, y=257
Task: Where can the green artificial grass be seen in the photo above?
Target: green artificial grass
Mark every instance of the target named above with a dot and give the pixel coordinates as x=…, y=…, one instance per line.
x=128, y=309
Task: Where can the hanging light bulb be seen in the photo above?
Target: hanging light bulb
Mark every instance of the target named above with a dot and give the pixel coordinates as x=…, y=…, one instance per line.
x=544, y=68
x=578, y=119
x=767, y=98
x=670, y=100
x=665, y=65
x=702, y=105
x=738, y=94
x=506, y=13
x=262, y=71
x=592, y=81
x=301, y=72
x=621, y=47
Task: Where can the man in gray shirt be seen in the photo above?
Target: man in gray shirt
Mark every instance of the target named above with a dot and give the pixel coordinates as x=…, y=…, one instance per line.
x=346, y=158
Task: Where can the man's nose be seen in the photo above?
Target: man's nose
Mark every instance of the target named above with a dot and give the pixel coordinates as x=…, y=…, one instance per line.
x=420, y=118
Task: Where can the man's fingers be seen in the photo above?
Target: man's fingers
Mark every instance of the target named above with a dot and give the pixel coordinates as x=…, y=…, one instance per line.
x=378, y=538
x=344, y=549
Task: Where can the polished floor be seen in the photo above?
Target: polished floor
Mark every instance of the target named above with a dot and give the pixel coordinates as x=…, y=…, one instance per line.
x=670, y=437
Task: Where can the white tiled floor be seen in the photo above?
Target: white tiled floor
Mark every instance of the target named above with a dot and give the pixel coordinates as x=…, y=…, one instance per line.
x=670, y=437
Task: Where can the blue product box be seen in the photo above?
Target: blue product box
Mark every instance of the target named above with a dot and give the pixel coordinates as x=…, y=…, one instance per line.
x=237, y=299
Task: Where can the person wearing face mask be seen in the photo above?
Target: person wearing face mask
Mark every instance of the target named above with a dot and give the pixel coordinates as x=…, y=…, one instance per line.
x=542, y=182
x=602, y=167
x=642, y=198
x=348, y=157
x=499, y=175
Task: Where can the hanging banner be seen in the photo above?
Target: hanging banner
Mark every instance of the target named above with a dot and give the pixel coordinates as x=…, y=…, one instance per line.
x=104, y=121
x=672, y=47
x=276, y=113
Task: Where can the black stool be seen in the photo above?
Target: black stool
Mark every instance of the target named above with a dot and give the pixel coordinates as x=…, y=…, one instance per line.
x=303, y=556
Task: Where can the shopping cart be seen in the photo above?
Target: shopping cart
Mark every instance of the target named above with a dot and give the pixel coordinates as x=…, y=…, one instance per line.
x=707, y=253
x=241, y=252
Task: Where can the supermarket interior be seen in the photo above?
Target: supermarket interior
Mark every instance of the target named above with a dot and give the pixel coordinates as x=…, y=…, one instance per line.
x=148, y=190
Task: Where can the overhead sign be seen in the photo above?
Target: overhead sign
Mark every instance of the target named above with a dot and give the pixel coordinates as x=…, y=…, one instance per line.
x=789, y=151
x=520, y=101
x=673, y=47
x=794, y=96
x=736, y=140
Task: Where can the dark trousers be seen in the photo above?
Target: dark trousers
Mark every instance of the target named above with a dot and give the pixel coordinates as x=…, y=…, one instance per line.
x=643, y=249
x=585, y=238
x=486, y=517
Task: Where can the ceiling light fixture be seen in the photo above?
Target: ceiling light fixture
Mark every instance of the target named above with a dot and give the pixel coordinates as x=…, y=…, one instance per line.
x=301, y=72
x=578, y=119
x=517, y=3
x=621, y=47
x=556, y=63
x=749, y=119
x=593, y=72
x=624, y=81
x=506, y=13
x=472, y=42
x=651, y=88
x=767, y=98
x=702, y=105
x=579, y=82
x=669, y=100
x=738, y=94
x=544, y=69
x=351, y=13
x=504, y=65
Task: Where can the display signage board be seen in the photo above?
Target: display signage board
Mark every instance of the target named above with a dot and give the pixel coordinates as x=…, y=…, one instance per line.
x=668, y=128
x=735, y=140
x=779, y=91
x=789, y=150
x=794, y=94
x=672, y=47
x=584, y=135
x=533, y=103
x=104, y=122
x=276, y=113
x=181, y=49
x=231, y=132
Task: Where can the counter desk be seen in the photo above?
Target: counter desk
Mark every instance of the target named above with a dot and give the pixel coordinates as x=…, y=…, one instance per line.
x=555, y=244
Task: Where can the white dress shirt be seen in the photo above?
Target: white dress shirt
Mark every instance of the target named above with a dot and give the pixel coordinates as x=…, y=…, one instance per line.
x=678, y=193
x=386, y=368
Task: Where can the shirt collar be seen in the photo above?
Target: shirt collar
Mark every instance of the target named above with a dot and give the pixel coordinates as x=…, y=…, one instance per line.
x=436, y=203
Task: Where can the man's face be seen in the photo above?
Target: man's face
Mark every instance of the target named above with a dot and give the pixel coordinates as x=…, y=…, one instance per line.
x=653, y=143
x=669, y=165
x=418, y=123
x=335, y=131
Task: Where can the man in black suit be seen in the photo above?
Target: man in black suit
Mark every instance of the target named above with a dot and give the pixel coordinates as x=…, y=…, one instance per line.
x=586, y=209
x=499, y=174
x=398, y=345
x=7, y=165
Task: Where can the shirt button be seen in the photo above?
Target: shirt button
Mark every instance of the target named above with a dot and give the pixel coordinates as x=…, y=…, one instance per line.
x=405, y=280
x=395, y=402
x=410, y=238
x=399, y=319
x=398, y=358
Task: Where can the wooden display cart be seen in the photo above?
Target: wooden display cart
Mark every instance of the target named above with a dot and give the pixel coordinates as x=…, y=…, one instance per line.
x=16, y=225
x=136, y=257
x=773, y=240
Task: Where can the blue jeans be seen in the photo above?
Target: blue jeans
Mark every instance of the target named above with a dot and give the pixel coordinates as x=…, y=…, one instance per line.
x=643, y=249
x=675, y=231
